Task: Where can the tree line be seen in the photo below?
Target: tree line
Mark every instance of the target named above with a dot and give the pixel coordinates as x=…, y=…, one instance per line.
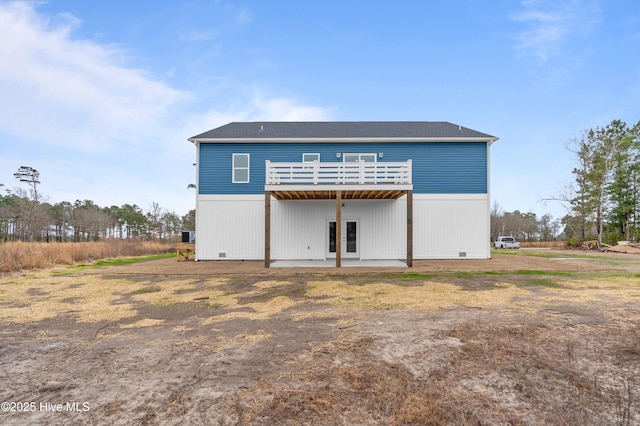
x=603, y=200
x=26, y=216
x=525, y=226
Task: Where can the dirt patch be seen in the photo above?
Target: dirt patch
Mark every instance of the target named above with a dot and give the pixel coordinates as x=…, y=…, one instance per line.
x=518, y=339
x=509, y=261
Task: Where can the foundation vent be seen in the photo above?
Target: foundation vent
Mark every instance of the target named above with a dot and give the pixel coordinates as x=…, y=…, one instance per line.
x=462, y=254
x=222, y=254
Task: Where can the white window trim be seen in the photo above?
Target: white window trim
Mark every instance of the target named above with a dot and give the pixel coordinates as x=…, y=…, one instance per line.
x=359, y=154
x=234, y=168
x=310, y=153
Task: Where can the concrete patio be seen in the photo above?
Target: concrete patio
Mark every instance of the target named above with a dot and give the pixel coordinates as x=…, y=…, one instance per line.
x=331, y=263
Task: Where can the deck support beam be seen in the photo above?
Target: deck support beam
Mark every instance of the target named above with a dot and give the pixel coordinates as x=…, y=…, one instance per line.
x=338, y=229
x=267, y=229
x=410, y=228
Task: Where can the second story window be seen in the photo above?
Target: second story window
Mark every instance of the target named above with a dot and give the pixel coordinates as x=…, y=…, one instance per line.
x=240, y=168
x=310, y=158
x=358, y=158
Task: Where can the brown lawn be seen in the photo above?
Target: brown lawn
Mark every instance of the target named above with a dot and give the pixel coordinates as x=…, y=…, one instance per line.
x=528, y=337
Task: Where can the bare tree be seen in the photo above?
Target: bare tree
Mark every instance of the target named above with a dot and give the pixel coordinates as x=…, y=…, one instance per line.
x=496, y=220
x=154, y=221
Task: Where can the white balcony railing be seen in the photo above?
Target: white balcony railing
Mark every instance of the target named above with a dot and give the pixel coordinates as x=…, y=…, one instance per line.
x=317, y=173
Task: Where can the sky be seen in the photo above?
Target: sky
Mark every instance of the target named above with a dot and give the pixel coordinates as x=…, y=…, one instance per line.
x=100, y=96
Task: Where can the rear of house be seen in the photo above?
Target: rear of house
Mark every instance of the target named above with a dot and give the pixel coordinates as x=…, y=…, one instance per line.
x=324, y=190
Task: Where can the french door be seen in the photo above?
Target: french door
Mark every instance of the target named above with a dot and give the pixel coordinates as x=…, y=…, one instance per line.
x=350, y=242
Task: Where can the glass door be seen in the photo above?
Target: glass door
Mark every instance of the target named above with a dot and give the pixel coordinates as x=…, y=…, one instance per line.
x=350, y=240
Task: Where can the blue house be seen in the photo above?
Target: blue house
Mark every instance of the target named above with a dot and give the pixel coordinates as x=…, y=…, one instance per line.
x=325, y=190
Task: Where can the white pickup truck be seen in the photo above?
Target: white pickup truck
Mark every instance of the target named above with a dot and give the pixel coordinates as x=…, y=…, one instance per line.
x=506, y=243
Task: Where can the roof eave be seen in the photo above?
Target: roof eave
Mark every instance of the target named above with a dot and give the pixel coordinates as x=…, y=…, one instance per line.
x=489, y=139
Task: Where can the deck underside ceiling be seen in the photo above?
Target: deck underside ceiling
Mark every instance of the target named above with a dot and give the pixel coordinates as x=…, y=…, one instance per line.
x=346, y=194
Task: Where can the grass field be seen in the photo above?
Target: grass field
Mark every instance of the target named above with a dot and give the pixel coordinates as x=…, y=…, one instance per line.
x=162, y=342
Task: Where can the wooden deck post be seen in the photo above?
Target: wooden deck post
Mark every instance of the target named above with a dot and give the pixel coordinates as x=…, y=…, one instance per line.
x=410, y=228
x=338, y=229
x=267, y=229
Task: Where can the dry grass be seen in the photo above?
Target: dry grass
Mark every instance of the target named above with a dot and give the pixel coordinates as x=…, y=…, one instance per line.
x=431, y=294
x=16, y=256
x=504, y=352
x=39, y=297
x=545, y=244
x=342, y=383
x=531, y=364
x=552, y=373
x=504, y=372
x=90, y=299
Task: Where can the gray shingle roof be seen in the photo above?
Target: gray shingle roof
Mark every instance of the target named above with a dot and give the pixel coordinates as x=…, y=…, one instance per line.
x=274, y=130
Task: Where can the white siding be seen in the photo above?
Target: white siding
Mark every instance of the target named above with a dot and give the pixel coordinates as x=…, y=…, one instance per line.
x=383, y=226
x=299, y=228
x=230, y=224
x=447, y=225
x=444, y=226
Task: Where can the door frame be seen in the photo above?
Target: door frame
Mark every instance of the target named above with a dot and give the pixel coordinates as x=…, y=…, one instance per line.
x=345, y=254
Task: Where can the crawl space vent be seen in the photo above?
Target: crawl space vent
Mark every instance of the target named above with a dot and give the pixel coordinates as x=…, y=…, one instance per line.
x=222, y=254
x=462, y=254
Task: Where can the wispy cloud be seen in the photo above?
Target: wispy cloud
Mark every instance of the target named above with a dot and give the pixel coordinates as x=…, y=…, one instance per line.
x=199, y=35
x=68, y=91
x=94, y=122
x=258, y=107
x=79, y=93
x=548, y=25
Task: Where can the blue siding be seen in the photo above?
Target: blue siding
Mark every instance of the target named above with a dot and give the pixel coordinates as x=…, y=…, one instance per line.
x=438, y=167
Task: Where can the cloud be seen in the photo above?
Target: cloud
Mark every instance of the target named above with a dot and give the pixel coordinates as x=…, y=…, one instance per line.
x=258, y=108
x=63, y=91
x=59, y=90
x=98, y=126
x=199, y=35
x=285, y=109
x=550, y=24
